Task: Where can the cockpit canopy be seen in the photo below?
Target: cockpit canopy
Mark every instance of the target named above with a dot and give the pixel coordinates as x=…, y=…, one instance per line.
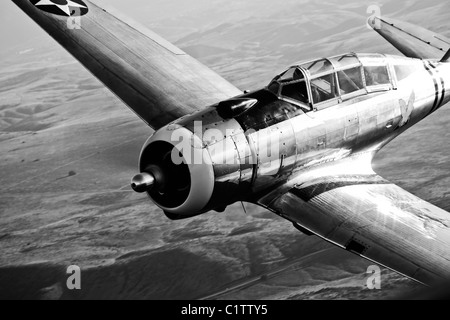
x=321, y=83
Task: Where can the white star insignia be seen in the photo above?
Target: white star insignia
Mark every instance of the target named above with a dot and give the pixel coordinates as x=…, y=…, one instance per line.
x=63, y=7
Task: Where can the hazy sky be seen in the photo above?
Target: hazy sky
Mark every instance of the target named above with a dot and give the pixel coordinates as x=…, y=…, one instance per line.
x=16, y=27
x=164, y=16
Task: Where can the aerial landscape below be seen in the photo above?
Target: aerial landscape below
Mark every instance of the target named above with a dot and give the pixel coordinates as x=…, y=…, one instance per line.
x=69, y=148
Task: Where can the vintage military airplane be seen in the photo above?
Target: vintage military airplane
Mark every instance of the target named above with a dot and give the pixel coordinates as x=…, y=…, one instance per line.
x=323, y=121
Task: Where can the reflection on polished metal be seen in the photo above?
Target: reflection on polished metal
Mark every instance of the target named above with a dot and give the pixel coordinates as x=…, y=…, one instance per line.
x=142, y=182
x=234, y=107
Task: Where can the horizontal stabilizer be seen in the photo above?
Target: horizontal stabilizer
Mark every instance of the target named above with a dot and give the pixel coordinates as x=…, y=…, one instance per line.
x=411, y=40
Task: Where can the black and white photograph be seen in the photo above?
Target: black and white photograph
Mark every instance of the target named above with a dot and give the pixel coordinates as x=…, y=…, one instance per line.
x=208, y=151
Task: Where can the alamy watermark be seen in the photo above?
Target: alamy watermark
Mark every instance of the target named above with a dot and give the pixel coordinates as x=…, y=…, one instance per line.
x=221, y=144
x=374, y=12
x=74, y=21
x=373, y=282
x=74, y=280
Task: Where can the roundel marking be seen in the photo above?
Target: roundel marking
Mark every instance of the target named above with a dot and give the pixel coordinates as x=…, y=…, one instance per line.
x=65, y=8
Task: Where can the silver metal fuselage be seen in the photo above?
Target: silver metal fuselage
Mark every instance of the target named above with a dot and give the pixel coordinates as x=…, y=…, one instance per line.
x=250, y=157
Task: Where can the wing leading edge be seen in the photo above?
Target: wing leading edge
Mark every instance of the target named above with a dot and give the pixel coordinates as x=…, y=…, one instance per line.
x=158, y=81
x=368, y=215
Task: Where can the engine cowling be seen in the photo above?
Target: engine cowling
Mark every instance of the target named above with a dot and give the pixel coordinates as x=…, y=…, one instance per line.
x=176, y=171
x=201, y=162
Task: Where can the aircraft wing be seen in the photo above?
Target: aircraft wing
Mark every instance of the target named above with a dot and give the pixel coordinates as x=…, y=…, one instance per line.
x=158, y=81
x=350, y=206
x=413, y=41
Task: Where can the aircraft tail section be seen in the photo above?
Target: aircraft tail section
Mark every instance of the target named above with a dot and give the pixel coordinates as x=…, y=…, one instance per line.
x=413, y=41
